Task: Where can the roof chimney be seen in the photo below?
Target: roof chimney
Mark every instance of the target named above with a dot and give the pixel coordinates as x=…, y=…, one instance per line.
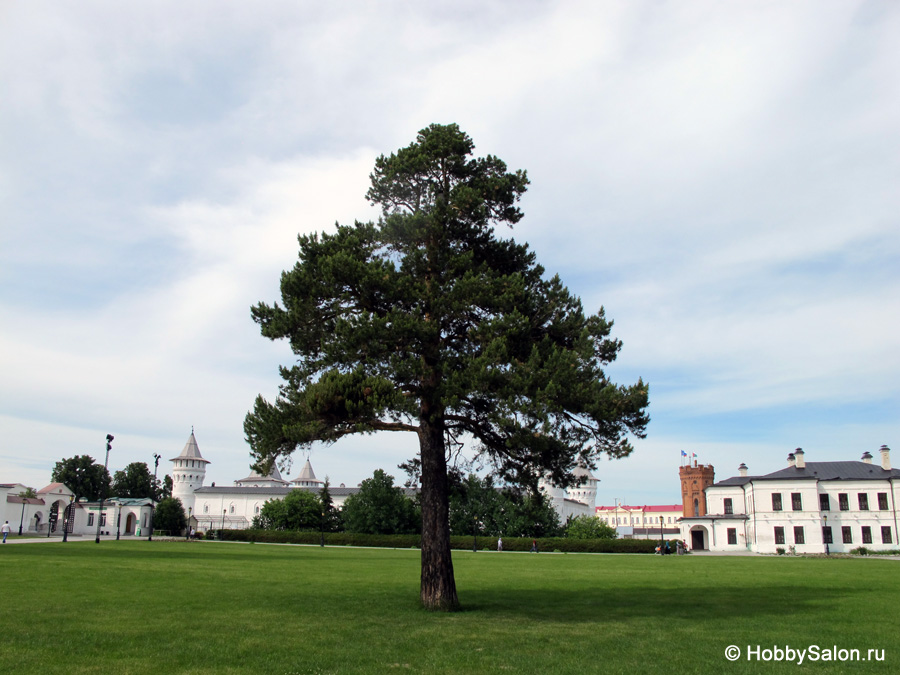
x=867, y=457
x=792, y=461
x=742, y=469
x=885, y=457
x=801, y=461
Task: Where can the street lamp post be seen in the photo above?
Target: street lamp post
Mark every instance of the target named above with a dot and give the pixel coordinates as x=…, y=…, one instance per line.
x=322, y=531
x=118, y=519
x=825, y=529
x=152, y=500
x=222, y=531
x=187, y=532
x=109, y=440
x=475, y=535
x=22, y=519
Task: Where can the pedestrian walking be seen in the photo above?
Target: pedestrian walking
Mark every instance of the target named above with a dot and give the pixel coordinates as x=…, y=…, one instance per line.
x=499, y=543
x=5, y=529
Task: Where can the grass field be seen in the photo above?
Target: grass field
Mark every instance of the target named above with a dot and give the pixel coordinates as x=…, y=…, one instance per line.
x=204, y=607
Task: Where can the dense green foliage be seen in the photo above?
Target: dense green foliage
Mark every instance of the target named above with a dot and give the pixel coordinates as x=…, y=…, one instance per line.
x=477, y=504
x=457, y=542
x=165, y=489
x=134, y=481
x=299, y=510
x=87, y=479
x=380, y=508
x=305, y=609
x=169, y=516
x=332, y=520
x=589, y=527
x=428, y=322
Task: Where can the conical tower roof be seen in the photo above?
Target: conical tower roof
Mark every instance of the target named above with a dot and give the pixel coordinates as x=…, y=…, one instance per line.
x=307, y=473
x=274, y=475
x=582, y=470
x=191, y=451
x=307, y=476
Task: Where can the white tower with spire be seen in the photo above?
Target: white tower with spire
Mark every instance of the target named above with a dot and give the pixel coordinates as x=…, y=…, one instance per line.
x=307, y=477
x=188, y=472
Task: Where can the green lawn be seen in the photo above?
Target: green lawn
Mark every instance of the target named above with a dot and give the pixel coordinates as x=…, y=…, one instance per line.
x=203, y=607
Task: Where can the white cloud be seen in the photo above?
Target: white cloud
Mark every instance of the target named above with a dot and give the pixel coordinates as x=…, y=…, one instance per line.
x=721, y=177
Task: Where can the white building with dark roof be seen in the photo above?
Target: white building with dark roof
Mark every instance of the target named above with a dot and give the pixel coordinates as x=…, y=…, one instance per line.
x=807, y=507
x=233, y=507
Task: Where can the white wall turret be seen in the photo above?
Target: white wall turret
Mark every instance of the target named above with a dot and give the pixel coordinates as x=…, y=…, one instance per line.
x=586, y=493
x=188, y=473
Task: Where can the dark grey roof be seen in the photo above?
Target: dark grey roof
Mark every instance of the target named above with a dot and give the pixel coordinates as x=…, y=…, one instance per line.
x=736, y=480
x=819, y=471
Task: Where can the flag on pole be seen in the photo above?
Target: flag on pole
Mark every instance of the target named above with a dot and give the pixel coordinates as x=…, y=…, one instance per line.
x=683, y=453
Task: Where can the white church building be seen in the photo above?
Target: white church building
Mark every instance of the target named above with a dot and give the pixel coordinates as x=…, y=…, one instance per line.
x=806, y=507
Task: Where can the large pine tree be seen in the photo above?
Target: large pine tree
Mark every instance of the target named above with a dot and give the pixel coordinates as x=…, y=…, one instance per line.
x=429, y=322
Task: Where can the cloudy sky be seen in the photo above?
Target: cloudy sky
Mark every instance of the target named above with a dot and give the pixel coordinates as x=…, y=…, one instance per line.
x=721, y=177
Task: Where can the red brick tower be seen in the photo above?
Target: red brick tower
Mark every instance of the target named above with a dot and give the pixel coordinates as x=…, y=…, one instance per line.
x=694, y=479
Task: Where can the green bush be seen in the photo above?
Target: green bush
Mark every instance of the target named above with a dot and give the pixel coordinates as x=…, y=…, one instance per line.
x=459, y=543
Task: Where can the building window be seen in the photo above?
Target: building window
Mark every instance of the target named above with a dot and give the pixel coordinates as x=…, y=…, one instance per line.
x=90, y=520
x=882, y=501
x=796, y=501
x=886, y=535
x=779, y=535
x=843, y=502
x=867, y=534
x=696, y=508
x=863, y=501
x=798, y=535
x=103, y=519
x=824, y=503
x=732, y=536
x=826, y=535
x=729, y=509
x=231, y=509
x=776, y=502
x=206, y=508
x=847, y=534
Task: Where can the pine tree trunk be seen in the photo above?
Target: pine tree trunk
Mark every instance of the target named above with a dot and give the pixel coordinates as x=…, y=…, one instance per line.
x=438, y=587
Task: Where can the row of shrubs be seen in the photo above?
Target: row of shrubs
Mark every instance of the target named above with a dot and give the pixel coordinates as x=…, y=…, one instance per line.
x=547, y=544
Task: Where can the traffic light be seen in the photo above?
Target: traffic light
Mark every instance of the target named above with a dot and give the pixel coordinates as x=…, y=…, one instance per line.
x=109, y=440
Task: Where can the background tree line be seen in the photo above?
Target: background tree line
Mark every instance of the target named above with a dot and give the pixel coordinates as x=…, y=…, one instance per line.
x=90, y=481
x=477, y=506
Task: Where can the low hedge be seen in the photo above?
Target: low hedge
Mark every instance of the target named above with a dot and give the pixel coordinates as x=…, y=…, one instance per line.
x=544, y=545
